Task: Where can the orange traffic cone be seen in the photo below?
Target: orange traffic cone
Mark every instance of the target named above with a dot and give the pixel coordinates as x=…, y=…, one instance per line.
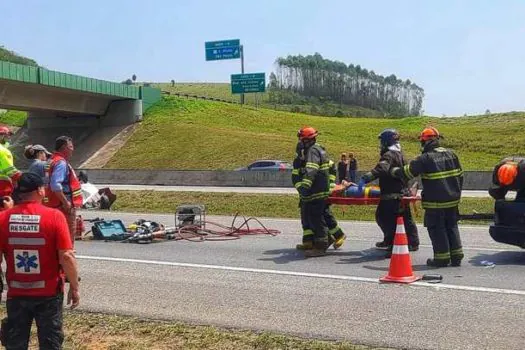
x=400, y=270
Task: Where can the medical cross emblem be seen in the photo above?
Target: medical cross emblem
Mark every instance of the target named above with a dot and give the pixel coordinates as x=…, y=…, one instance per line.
x=26, y=261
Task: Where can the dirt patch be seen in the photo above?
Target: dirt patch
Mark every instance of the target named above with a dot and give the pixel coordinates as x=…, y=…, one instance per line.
x=104, y=154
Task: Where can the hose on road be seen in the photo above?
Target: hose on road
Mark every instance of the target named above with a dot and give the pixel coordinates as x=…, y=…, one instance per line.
x=196, y=233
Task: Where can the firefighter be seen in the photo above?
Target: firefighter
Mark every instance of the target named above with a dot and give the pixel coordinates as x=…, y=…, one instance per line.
x=442, y=179
x=509, y=175
x=297, y=175
x=392, y=191
x=336, y=234
x=8, y=172
x=314, y=189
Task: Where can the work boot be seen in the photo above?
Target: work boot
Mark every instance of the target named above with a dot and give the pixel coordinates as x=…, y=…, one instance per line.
x=319, y=249
x=455, y=262
x=339, y=241
x=331, y=240
x=304, y=246
x=314, y=252
x=437, y=263
x=383, y=245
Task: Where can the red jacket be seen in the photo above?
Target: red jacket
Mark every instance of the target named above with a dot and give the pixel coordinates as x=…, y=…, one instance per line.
x=30, y=237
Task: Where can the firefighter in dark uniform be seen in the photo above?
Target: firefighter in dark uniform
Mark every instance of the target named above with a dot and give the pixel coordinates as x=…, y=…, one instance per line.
x=509, y=175
x=442, y=179
x=314, y=189
x=392, y=191
x=336, y=235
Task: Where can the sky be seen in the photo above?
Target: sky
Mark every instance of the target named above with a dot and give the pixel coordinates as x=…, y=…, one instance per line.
x=468, y=56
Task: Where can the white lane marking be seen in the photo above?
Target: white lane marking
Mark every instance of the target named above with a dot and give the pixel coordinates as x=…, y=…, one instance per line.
x=301, y=274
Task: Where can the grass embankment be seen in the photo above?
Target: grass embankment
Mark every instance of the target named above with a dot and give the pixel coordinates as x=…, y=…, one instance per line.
x=13, y=118
x=260, y=205
x=87, y=331
x=295, y=102
x=178, y=133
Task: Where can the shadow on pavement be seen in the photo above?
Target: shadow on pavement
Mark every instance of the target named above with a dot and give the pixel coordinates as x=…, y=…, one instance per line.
x=500, y=258
x=362, y=256
x=283, y=256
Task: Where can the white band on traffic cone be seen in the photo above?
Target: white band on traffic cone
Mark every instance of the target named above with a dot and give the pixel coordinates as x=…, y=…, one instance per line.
x=400, y=249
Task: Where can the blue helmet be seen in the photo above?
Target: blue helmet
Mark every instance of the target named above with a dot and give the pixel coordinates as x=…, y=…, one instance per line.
x=388, y=137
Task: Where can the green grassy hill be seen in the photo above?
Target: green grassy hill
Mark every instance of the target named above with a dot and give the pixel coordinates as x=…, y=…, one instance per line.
x=181, y=133
x=10, y=56
x=13, y=118
x=302, y=104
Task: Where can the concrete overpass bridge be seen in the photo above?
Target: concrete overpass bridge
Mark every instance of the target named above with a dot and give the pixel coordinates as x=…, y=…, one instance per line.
x=92, y=111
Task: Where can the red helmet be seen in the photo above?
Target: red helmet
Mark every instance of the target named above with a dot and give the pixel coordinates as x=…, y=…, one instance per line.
x=429, y=133
x=307, y=133
x=4, y=130
x=507, y=173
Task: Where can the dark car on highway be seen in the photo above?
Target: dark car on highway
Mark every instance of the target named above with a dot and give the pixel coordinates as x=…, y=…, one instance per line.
x=267, y=165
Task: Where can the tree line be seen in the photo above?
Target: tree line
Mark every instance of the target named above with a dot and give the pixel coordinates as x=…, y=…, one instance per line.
x=327, y=80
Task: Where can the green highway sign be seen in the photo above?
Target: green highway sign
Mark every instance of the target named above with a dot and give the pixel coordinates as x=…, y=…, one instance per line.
x=246, y=83
x=223, y=50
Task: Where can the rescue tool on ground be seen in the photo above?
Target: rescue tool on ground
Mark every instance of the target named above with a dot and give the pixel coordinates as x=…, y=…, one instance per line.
x=190, y=224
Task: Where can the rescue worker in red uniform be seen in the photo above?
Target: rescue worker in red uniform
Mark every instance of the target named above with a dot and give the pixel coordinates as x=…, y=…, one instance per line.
x=64, y=189
x=509, y=175
x=336, y=235
x=314, y=189
x=37, y=248
x=442, y=179
x=392, y=191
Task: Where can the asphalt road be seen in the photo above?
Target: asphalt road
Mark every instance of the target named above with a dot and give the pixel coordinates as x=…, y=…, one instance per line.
x=274, y=190
x=263, y=283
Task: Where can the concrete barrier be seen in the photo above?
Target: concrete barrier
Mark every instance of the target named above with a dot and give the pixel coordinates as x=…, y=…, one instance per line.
x=474, y=180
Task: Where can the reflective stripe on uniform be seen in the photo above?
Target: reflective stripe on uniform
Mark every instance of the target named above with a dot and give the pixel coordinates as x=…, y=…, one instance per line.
x=299, y=184
x=334, y=230
x=312, y=165
x=320, y=195
x=308, y=232
x=27, y=285
x=306, y=183
x=456, y=252
x=442, y=256
x=295, y=172
x=442, y=174
x=440, y=205
x=408, y=174
x=26, y=241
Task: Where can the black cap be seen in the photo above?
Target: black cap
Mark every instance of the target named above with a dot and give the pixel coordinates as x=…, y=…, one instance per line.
x=29, y=182
x=61, y=141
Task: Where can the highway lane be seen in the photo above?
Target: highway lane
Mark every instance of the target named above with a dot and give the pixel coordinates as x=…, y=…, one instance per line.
x=261, y=282
x=266, y=190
